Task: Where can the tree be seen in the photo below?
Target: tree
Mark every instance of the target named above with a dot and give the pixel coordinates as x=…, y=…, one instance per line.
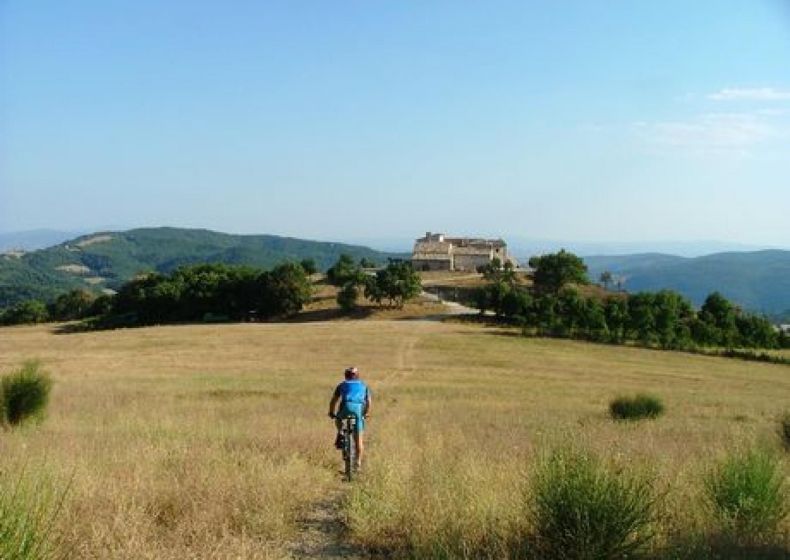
x=516, y=304
x=347, y=296
x=496, y=292
x=572, y=312
x=493, y=272
x=102, y=305
x=26, y=312
x=544, y=315
x=309, y=266
x=75, y=304
x=397, y=283
x=555, y=270
x=616, y=314
x=672, y=314
x=641, y=318
x=345, y=270
x=718, y=315
x=285, y=290
x=365, y=262
x=756, y=332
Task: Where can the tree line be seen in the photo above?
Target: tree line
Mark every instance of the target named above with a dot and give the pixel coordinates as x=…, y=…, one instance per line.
x=391, y=286
x=554, y=306
x=190, y=293
x=220, y=292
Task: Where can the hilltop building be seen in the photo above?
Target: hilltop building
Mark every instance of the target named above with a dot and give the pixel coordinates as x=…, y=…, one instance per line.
x=436, y=251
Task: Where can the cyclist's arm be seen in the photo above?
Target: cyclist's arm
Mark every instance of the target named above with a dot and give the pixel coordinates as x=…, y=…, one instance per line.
x=366, y=412
x=333, y=402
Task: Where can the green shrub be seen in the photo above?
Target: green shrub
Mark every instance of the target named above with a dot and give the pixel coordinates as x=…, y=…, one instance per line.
x=582, y=509
x=24, y=393
x=347, y=297
x=784, y=430
x=635, y=408
x=748, y=496
x=28, y=509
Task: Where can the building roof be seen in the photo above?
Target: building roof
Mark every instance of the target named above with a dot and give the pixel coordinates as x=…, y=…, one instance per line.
x=475, y=242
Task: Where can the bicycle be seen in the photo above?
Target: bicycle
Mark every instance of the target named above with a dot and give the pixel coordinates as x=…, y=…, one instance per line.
x=348, y=425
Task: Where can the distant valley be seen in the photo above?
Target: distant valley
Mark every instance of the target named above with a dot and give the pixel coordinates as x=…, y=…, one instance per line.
x=757, y=280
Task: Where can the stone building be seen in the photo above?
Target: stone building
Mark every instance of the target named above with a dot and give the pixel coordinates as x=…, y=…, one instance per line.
x=436, y=251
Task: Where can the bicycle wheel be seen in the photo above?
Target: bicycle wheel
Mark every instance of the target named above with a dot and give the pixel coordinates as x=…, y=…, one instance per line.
x=349, y=452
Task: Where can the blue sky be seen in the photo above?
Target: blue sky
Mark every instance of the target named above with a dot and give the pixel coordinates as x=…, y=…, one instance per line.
x=633, y=121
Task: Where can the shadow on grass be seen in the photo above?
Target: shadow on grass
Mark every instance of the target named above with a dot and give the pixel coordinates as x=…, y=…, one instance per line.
x=93, y=325
x=504, y=327
x=333, y=314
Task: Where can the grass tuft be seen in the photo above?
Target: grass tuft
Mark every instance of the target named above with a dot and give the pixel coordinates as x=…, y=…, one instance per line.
x=748, y=495
x=582, y=509
x=28, y=509
x=636, y=408
x=24, y=394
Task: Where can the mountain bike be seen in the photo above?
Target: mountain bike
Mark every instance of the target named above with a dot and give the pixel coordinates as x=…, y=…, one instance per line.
x=348, y=426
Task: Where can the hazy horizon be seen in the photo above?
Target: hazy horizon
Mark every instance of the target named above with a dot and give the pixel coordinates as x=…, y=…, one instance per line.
x=519, y=246
x=637, y=123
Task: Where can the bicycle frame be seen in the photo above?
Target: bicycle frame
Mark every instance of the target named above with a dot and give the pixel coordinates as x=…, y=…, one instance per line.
x=347, y=428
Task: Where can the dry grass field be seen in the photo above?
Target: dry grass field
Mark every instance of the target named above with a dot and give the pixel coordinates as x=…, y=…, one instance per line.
x=213, y=442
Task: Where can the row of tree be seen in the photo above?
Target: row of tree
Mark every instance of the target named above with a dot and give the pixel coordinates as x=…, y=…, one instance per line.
x=390, y=286
x=223, y=292
x=72, y=305
x=192, y=293
x=554, y=307
x=214, y=291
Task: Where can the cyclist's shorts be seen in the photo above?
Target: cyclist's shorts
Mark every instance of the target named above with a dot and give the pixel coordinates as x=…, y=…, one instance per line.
x=353, y=409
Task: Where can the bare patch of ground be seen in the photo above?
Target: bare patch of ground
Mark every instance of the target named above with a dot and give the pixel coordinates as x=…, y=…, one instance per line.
x=93, y=240
x=322, y=532
x=73, y=268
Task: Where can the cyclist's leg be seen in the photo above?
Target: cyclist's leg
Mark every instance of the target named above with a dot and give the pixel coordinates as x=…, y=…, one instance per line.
x=359, y=440
x=359, y=434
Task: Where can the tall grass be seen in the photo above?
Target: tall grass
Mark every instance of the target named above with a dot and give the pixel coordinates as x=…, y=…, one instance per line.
x=637, y=407
x=437, y=502
x=28, y=509
x=748, y=495
x=210, y=441
x=583, y=509
x=24, y=393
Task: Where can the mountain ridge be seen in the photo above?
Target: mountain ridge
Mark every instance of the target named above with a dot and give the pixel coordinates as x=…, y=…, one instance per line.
x=756, y=280
x=105, y=260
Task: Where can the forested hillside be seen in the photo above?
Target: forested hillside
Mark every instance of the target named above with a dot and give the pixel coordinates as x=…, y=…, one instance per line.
x=107, y=260
x=758, y=281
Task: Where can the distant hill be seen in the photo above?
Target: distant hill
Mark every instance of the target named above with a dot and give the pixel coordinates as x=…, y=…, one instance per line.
x=757, y=281
x=106, y=260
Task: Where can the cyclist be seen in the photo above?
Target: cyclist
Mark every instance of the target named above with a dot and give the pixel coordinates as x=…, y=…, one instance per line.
x=354, y=398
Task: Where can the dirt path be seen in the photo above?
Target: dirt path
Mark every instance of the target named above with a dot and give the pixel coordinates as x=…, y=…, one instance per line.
x=322, y=532
x=451, y=308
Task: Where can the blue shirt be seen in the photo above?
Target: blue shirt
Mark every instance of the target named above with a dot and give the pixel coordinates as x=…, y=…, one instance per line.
x=352, y=391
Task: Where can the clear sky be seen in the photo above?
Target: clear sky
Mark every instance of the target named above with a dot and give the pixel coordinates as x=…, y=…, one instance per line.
x=614, y=120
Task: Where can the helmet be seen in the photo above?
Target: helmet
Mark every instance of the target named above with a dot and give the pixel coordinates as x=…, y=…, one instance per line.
x=351, y=372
